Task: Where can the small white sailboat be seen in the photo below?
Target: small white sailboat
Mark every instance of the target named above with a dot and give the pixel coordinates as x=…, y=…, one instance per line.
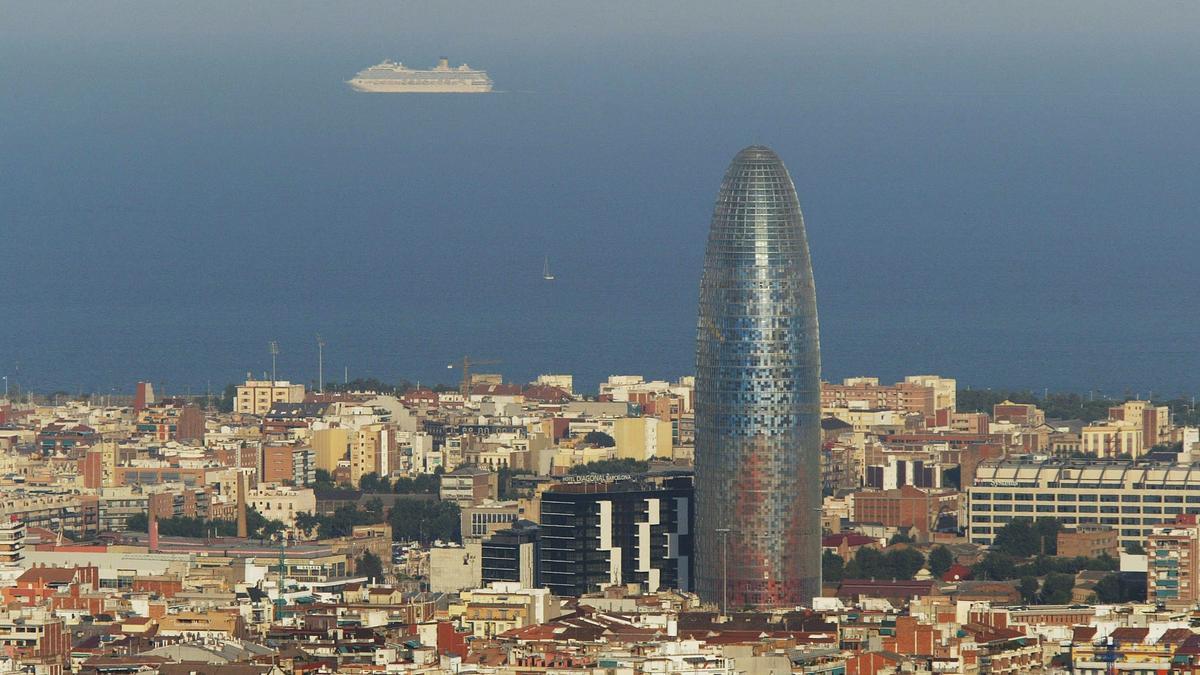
x=546, y=270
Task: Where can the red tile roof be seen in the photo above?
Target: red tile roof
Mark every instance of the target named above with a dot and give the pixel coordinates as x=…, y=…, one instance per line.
x=850, y=539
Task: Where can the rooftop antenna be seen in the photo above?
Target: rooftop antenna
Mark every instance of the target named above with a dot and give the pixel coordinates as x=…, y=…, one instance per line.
x=273, y=346
x=320, y=364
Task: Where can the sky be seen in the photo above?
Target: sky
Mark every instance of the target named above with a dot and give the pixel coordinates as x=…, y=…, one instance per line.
x=999, y=192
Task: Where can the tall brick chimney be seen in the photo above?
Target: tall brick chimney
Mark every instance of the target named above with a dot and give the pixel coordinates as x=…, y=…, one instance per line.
x=153, y=531
x=243, y=528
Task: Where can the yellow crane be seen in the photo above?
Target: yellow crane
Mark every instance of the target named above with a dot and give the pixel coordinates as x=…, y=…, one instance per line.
x=466, y=364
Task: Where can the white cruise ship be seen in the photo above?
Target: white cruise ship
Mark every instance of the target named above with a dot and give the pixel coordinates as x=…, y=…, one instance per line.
x=394, y=78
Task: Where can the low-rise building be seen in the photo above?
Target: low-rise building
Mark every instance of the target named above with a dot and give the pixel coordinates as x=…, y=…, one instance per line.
x=1088, y=541
x=468, y=486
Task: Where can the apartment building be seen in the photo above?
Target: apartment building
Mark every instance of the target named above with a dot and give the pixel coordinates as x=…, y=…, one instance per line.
x=1173, y=563
x=256, y=397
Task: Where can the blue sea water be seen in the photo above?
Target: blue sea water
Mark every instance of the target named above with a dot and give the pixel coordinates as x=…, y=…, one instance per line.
x=1003, y=199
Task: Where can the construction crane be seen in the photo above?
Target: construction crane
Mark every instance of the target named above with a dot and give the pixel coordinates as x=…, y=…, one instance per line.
x=466, y=364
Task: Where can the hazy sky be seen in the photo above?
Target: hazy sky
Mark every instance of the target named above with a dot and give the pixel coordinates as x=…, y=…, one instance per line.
x=1003, y=192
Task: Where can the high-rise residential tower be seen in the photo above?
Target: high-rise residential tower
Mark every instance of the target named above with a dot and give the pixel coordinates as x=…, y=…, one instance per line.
x=758, y=363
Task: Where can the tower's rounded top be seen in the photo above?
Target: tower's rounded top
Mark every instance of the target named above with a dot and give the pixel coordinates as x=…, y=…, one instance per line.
x=756, y=153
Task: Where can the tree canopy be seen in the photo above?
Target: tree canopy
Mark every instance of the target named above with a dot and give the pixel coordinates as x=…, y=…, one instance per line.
x=940, y=560
x=370, y=566
x=425, y=521
x=342, y=522
x=896, y=563
x=258, y=526
x=1069, y=405
x=614, y=466
x=1020, y=538
x=832, y=566
x=599, y=439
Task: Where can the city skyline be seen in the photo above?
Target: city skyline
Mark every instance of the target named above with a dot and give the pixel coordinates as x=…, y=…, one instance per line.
x=313, y=366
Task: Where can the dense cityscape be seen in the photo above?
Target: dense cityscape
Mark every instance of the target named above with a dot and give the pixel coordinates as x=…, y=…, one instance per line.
x=749, y=518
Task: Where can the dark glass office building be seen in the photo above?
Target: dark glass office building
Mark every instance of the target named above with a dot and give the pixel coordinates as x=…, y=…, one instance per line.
x=758, y=399
x=512, y=555
x=595, y=534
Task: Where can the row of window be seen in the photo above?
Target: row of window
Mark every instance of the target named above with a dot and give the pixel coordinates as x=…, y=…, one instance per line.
x=1080, y=508
x=1086, y=497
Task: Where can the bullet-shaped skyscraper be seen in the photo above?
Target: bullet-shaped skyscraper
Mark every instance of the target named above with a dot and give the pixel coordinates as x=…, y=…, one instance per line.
x=758, y=399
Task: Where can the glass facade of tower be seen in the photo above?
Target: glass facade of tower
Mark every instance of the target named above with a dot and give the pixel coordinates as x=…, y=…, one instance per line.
x=758, y=399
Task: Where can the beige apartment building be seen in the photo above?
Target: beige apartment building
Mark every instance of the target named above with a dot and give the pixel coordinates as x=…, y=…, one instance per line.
x=282, y=503
x=1112, y=439
x=564, y=382
x=372, y=450
x=256, y=397
x=945, y=389
x=1132, y=429
x=643, y=438
x=330, y=446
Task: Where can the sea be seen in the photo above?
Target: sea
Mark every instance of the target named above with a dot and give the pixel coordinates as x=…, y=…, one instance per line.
x=1007, y=201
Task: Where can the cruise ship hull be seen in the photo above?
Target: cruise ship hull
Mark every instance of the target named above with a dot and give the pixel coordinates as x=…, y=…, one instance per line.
x=393, y=87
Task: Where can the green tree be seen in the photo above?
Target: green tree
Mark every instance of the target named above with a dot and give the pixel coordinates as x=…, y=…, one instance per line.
x=1056, y=590
x=902, y=563
x=306, y=521
x=1108, y=589
x=323, y=481
x=599, y=439
x=423, y=484
x=995, y=566
x=225, y=403
x=372, y=483
x=1028, y=588
x=940, y=560
x=1021, y=538
x=1016, y=539
x=832, y=566
x=1046, y=530
x=424, y=521
x=1134, y=548
x=900, y=538
x=868, y=563
x=370, y=566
